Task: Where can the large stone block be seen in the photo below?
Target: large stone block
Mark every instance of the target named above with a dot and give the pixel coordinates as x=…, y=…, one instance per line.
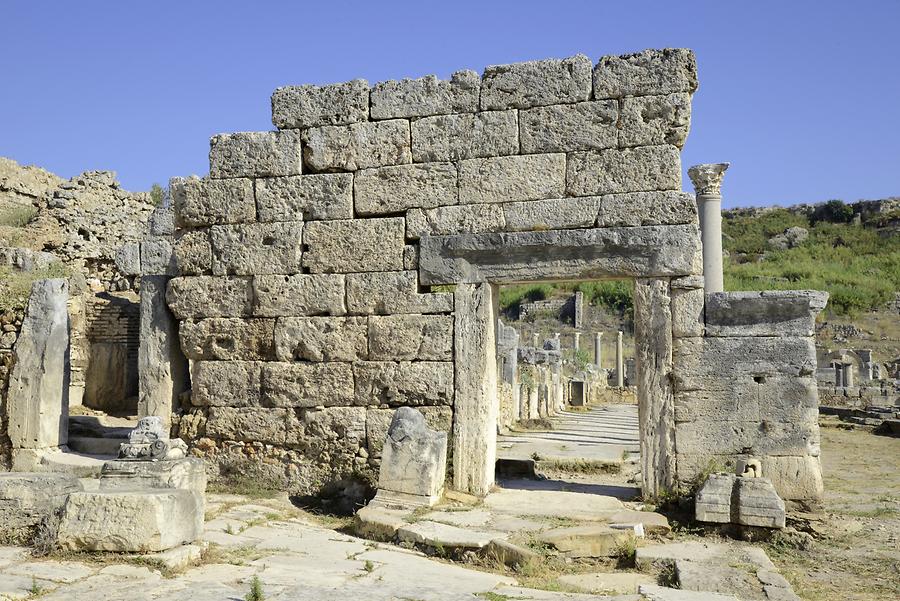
x=688, y=305
x=133, y=521
x=334, y=430
x=553, y=214
x=426, y=96
x=459, y=219
x=162, y=222
x=296, y=107
x=401, y=187
x=305, y=197
x=414, y=459
x=207, y=296
x=734, y=438
x=712, y=503
x=186, y=474
x=653, y=120
x=569, y=127
x=128, y=258
x=536, y=83
x=307, y=385
x=651, y=72
x=227, y=339
x=357, y=146
x=465, y=136
x=300, y=295
x=717, y=363
x=157, y=257
x=193, y=252
x=653, y=251
x=251, y=424
x=647, y=208
x=749, y=397
x=255, y=154
x=226, y=383
x=770, y=313
x=321, y=339
x=642, y=169
x=354, y=245
x=379, y=420
x=37, y=398
x=514, y=178
x=411, y=337
x=796, y=478
x=257, y=248
x=758, y=504
x=390, y=292
x=200, y=202
x=27, y=500
x=405, y=383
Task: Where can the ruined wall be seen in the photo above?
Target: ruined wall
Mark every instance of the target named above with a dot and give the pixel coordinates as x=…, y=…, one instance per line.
x=11, y=325
x=745, y=386
x=301, y=295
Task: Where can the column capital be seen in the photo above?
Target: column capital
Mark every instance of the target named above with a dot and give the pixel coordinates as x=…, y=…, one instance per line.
x=707, y=178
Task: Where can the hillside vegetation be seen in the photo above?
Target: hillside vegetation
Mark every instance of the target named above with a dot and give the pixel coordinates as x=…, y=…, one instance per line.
x=855, y=257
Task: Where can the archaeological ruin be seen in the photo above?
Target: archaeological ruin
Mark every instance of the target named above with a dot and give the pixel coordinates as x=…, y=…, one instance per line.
x=347, y=264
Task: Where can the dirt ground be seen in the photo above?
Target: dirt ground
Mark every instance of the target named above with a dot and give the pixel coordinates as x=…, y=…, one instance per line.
x=856, y=551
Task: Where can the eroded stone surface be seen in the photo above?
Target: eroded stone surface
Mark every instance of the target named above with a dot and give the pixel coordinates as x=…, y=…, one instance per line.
x=651, y=120
x=207, y=296
x=321, y=339
x=255, y=154
x=536, y=83
x=642, y=169
x=411, y=337
x=569, y=127
x=348, y=246
x=389, y=292
x=201, y=202
x=228, y=339
x=401, y=187
x=426, y=96
x=404, y=383
x=465, y=136
x=357, y=146
x=305, y=197
x=413, y=459
x=509, y=179
x=256, y=248
x=650, y=72
x=307, y=384
x=296, y=107
x=443, y=221
x=301, y=295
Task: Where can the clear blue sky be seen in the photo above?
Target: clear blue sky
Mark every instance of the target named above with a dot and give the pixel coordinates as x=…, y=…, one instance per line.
x=802, y=97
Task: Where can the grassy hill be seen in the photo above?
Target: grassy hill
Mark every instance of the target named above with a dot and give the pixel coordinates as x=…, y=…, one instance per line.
x=851, y=252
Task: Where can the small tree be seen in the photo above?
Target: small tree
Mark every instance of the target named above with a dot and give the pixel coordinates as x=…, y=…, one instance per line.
x=833, y=211
x=159, y=195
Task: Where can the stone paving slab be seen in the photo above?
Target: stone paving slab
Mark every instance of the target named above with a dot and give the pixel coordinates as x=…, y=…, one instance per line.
x=444, y=535
x=547, y=503
x=607, y=582
x=661, y=593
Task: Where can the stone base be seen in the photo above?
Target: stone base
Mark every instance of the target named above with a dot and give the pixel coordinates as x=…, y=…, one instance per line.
x=134, y=521
x=726, y=498
x=186, y=474
x=390, y=499
x=28, y=499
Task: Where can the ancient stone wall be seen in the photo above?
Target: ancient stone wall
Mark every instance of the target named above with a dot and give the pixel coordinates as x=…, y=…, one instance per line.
x=11, y=324
x=304, y=306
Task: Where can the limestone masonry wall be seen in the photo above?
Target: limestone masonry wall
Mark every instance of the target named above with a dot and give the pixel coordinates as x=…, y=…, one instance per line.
x=312, y=260
x=301, y=305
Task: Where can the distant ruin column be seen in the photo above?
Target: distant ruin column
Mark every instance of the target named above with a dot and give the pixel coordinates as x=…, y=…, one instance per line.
x=535, y=340
x=620, y=362
x=838, y=375
x=848, y=375
x=577, y=343
x=707, y=180
x=597, y=349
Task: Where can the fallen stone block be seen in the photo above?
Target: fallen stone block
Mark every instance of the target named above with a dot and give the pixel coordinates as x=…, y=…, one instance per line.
x=721, y=553
x=413, y=460
x=713, y=501
x=759, y=504
x=378, y=422
x=510, y=554
x=653, y=523
x=434, y=534
x=28, y=500
x=716, y=578
x=587, y=541
x=186, y=474
x=131, y=521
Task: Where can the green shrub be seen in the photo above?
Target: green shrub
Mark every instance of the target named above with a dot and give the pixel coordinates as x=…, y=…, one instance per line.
x=513, y=296
x=615, y=295
x=833, y=211
x=159, y=195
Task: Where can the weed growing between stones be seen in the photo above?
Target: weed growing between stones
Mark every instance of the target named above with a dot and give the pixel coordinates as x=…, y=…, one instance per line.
x=256, y=590
x=35, y=590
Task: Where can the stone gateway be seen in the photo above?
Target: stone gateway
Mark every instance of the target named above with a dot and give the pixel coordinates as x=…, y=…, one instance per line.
x=347, y=264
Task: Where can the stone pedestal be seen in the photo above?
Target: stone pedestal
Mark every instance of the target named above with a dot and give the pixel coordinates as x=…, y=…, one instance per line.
x=413, y=462
x=707, y=180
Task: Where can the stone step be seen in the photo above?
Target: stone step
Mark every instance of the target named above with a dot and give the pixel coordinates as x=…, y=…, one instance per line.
x=92, y=445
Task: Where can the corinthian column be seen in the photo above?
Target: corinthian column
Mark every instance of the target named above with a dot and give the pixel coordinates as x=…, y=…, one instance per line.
x=707, y=180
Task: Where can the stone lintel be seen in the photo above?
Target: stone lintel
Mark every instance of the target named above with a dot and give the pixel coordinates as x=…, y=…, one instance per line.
x=504, y=258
